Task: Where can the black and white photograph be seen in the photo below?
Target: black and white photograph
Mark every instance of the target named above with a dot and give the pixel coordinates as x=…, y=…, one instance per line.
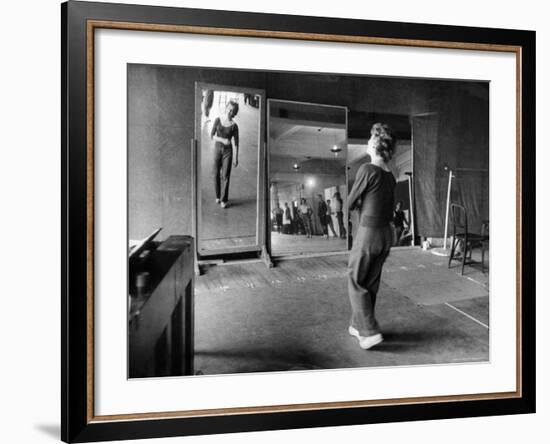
x=290, y=221
x=275, y=222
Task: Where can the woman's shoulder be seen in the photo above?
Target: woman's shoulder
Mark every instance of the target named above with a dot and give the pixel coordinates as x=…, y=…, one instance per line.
x=368, y=169
x=371, y=168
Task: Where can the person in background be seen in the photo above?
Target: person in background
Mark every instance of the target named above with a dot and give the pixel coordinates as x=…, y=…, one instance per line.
x=329, y=219
x=297, y=226
x=225, y=133
x=287, y=220
x=372, y=195
x=322, y=213
x=305, y=216
x=399, y=221
x=278, y=212
x=338, y=209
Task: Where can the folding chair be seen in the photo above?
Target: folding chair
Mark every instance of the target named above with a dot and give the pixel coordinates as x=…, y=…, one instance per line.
x=463, y=241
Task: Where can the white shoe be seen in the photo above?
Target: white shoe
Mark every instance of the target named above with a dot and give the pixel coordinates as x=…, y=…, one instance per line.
x=366, y=342
x=224, y=204
x=217, y=200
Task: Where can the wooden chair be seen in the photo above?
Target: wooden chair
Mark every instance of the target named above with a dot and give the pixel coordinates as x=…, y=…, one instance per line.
x=462, y=238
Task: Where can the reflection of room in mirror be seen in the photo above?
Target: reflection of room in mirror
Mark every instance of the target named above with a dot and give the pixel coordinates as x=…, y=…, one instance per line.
x=228, y=144
x=308, y=152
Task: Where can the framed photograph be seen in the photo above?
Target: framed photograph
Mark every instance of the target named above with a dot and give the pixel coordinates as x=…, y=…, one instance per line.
x=275, y=221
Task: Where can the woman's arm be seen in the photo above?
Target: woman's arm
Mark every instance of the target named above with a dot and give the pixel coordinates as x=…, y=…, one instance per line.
x=359, y=186
x=214, y=128
x=235, y=145
x=214, y=133
x=221, y=140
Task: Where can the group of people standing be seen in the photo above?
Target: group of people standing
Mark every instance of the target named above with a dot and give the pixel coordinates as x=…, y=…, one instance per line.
x=298, y=219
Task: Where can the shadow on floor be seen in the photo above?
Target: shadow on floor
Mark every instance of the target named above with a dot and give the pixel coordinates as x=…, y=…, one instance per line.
x=295, y=316
x=51, y=430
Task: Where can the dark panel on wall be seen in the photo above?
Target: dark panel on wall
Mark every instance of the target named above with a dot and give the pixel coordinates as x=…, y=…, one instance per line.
x=360, y=123
x=457, y=137
x=429, y=195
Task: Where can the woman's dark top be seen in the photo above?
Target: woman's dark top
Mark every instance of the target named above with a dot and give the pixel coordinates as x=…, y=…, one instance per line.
x=287, y=213
x=227, y=132
x=373, y=191
x=322, y=210
x=399, y=218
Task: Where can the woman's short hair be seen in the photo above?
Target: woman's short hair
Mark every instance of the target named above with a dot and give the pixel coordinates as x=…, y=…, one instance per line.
x=384, y=140
x=234, y=105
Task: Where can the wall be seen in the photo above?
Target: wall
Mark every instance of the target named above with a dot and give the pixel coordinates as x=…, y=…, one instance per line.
x=161, y=106
x=161, y=125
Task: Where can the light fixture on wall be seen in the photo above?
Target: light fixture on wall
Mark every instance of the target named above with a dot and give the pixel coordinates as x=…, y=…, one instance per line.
x=335, y=150
x=296, y=166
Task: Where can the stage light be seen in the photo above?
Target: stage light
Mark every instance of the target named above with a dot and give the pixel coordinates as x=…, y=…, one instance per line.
x=310, y=182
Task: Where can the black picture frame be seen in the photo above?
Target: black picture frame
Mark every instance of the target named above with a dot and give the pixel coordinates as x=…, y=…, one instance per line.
x=77, y=421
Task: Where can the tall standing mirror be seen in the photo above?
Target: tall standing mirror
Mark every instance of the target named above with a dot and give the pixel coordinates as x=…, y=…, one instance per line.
x=229, y=164
x=307, y=177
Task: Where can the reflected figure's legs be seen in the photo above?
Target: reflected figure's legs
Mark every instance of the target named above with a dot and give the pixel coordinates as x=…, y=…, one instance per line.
x=331, y=225
x=227, y=158
x=341, y=229
x=307, y=225
x=216, y=166
x=324, y=225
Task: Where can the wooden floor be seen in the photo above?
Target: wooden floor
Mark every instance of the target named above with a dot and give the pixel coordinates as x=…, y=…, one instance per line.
x=287, y=244
x=228, y=242
x=250, y=318
x=425, y=276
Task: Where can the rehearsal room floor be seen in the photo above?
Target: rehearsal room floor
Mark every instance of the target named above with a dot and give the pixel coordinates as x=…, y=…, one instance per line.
x=294, y=244
x=249, y=318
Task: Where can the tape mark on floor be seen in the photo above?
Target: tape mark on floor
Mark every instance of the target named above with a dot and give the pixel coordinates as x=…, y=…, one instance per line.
x=476, y=281
x=467, y=315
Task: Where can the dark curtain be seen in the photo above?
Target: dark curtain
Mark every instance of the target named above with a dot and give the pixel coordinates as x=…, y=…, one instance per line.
x=457, y=137
x=428, y=193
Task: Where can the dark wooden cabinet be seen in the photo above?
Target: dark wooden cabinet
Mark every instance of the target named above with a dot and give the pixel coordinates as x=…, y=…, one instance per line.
x=160, y=320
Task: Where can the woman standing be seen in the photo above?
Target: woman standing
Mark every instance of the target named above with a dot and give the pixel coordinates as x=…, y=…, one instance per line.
x=338, y=209
x=305, y=215
x=322, y=214
x=399, y=221
x=373, y=195
x=287, y=220
x=225, y=133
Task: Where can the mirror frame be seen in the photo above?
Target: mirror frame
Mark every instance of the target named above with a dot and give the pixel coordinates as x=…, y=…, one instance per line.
x=260, y=181
x=268, y=178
